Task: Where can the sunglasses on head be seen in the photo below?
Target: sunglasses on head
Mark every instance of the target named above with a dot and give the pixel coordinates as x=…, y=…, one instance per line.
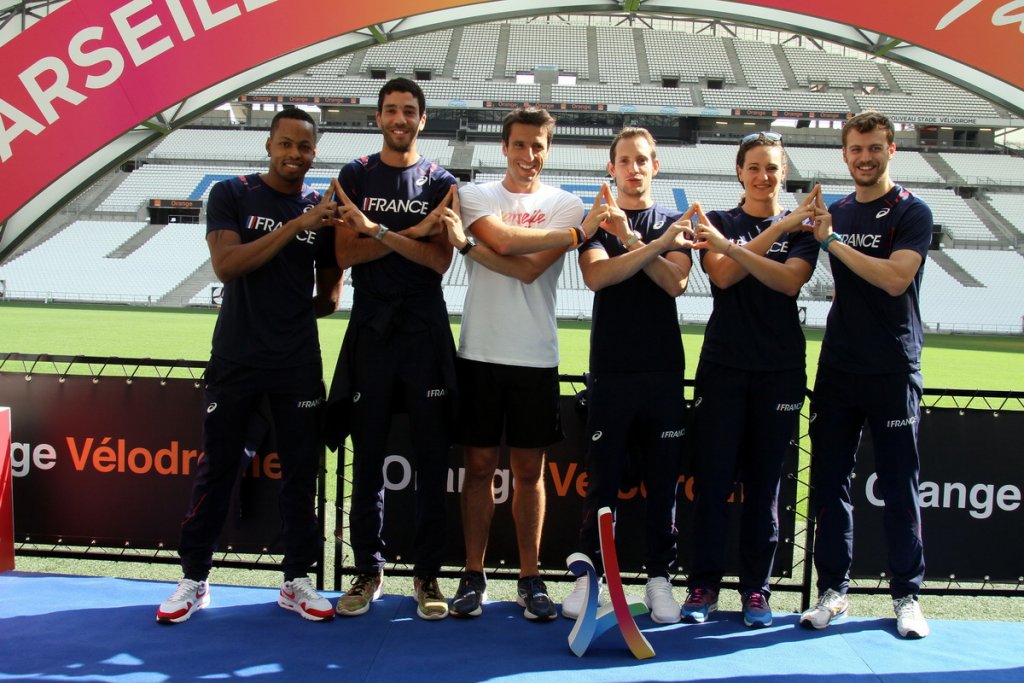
x=762, y=135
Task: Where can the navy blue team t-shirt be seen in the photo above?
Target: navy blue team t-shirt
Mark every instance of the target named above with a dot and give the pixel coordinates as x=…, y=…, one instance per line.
x=752, y=326
x=267, y=317
x=868, y=331
x=398, y=198
x=635, y=324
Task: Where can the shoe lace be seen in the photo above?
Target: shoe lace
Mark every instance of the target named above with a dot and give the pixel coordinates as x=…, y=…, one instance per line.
x=829, y=599
x=535, y=587
x=430, y=589
x=186, y=588
x=697, y=596
x=661, y=588
x=905, y=607
x=361, y=584
x=304, y=586
x=756, y=600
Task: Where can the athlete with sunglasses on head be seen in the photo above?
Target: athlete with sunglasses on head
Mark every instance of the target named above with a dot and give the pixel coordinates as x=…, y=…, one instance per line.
x=750, y=380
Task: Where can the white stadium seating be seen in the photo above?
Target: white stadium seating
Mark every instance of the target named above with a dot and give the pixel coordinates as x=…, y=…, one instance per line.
x=617, y=67
x=86, y=271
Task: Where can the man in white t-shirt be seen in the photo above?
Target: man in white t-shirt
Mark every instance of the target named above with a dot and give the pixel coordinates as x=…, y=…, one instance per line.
x=507, y=363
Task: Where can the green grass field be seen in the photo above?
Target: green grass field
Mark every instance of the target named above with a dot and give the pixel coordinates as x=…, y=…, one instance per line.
x=963, y=362
x=968, y=362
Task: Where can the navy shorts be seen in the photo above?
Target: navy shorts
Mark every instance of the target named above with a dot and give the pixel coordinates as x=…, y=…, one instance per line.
x=519, y=402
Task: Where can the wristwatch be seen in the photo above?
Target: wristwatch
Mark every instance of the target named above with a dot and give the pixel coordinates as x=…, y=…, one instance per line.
x=470, y=243
x=381, y=231
x=827, y=241
x=634, y=237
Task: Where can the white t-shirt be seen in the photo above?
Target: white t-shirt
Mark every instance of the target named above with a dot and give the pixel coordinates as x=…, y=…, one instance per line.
x=503, y=320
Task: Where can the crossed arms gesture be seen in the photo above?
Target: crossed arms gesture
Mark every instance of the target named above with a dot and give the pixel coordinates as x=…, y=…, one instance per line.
x=352, y=248
x=670, y=270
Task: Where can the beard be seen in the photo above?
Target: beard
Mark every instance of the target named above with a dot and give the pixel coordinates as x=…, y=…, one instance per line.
x=871, y=180
x=402, y=148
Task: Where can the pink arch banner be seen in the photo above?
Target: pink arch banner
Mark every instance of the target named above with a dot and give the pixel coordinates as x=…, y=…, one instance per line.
x=94, y=69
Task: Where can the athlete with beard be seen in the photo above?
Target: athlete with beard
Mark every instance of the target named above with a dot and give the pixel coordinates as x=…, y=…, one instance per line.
x=750, y=381
x=869, y=373
x=270, y=238
x=398, y=353
x=508, y=350
x=637, y=265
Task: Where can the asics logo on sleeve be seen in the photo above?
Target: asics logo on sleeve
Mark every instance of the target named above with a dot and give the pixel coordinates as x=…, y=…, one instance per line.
x=596, y=436
x=883, y=212
x=658, y=226
x=356, y=396
x=212, y=407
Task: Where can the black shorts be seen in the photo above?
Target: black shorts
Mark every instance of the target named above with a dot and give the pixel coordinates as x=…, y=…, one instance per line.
x=518, y=401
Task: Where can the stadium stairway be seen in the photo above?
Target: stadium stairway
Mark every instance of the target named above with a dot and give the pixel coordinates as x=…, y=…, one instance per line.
x=993, y=221
x=734, y=62
x=355, y=67
x=955, y=270
x=501, y=59
x=942, y=167
x=593, y=45
x=890, y=80
x=462, y=157
x=448, y=70
x=643, y=65
x=125, y=249
x=192, y=285
x=787, y=69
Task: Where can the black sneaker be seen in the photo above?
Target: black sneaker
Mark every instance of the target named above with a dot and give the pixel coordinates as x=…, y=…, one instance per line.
x=469, y=598
x=533, y=595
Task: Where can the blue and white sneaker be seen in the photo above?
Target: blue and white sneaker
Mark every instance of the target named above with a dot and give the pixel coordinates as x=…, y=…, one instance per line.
x=470, y=596
x=533, y=595
x=756, y=611
x=700, y=603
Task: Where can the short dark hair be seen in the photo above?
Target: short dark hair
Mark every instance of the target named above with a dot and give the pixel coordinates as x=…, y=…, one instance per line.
x=402, y=85
x=292, y=113
x=529, y=116
x=633, y=132
x=867, y=121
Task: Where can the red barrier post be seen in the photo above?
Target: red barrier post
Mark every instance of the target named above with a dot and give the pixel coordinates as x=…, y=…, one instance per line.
x=6, y=499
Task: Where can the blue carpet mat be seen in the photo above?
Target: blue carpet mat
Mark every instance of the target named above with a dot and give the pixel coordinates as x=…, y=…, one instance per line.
x=57, y=628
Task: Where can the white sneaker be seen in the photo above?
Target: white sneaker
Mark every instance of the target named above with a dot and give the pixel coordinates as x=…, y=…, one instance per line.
x=910, y=622
x=658, y=598
x=189, y=597
x=299, y=596
x=831, y=606
x=573, y=603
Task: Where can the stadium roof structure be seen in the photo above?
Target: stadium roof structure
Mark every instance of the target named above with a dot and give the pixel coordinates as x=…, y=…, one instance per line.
x=88, y=83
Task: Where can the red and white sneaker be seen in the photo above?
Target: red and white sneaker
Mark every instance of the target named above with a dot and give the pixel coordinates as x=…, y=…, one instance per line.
x=189, y=597
x=300, y=596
